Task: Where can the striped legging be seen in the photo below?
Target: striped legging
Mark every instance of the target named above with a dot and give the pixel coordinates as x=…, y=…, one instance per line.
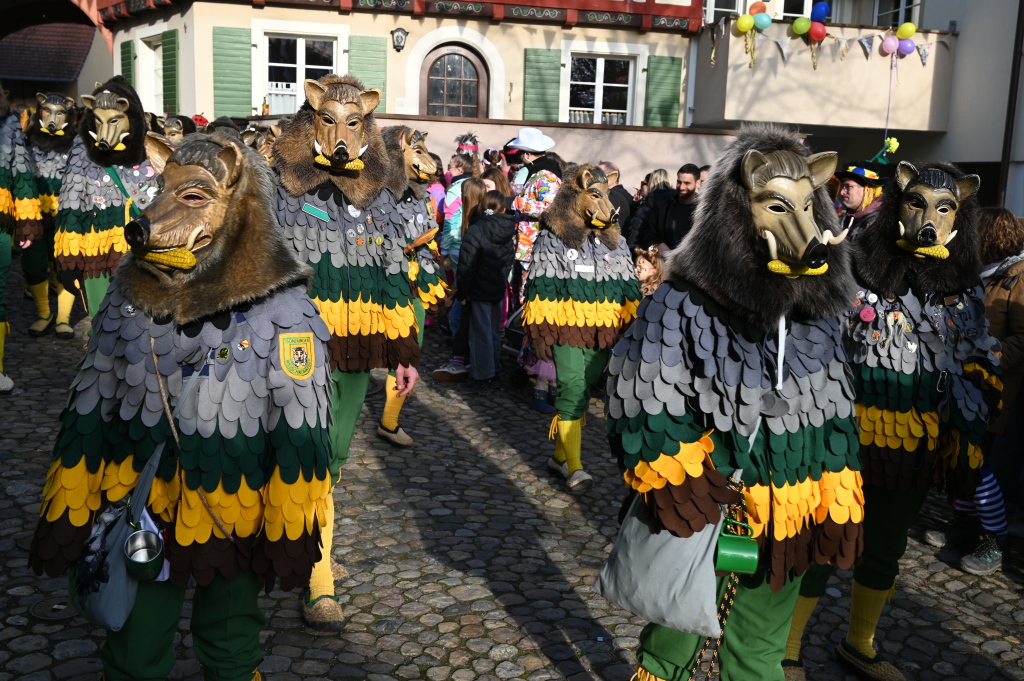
x=987, y=504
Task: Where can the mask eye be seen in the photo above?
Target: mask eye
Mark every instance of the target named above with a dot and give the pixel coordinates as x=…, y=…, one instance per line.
x=777, y=208
x=193, y=198
x=354, y=123
x=944, y=210
x=327, y=120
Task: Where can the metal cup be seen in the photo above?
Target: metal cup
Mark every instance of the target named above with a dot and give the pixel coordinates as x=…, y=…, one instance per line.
x=144, y=555
x=736, y=552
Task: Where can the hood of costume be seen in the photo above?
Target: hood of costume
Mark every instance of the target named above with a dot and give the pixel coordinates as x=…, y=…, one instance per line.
x=44, y=140
x=134, y=152
x=730, y=365
x=50, y=154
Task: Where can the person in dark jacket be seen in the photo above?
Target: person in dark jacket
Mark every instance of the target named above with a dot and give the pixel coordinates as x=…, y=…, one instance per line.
x=486, y=258
x=669, y=221
x=659, y=191
x=860, y=193
x=620, y=198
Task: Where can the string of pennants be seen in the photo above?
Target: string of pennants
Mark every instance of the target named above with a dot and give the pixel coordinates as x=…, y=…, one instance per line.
x=840, y=47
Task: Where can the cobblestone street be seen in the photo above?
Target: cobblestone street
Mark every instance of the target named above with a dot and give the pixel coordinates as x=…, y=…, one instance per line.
x=466, y=560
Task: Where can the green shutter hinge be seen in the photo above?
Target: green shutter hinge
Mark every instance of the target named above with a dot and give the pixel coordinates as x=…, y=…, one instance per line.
x=563, y=65
x=344, y=51
x=253, y=45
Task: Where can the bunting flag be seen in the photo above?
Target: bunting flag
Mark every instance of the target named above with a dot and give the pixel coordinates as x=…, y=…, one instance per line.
x=868, y=44
x=844, y=48
x=783, y=44
x=924, y=51
x=835, y=49
x=759, y=40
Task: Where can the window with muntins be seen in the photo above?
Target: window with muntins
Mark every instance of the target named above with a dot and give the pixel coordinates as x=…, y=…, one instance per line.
x=715, y=10
x=601, y=90
x=896, y=12
x=152, y=93
x=290, y=61
x=456, y=84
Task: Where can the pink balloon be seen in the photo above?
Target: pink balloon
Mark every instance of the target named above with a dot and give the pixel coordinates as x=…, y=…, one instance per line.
x=890, y=44
x=907, y=46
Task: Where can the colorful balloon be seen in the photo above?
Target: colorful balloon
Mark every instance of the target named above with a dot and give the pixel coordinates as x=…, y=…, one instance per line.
x=819, y=11
x=744, y=23
x=906, y=30
x=817, y=31
x=757, y=8
x=801, y=25
x=907, y=46
x=762, y=21
x=890, y=44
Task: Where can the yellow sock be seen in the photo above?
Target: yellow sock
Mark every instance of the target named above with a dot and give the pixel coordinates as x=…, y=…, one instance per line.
x=321, y=582
x=559, y=454
x=41, y=294
x=804, y=608
x=5, y=328
x=65, y=301
x=865, y=611
x=392, y=404
x=569, y=442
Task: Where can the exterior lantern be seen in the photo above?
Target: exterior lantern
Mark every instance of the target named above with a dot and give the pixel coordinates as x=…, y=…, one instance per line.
x=398, y=38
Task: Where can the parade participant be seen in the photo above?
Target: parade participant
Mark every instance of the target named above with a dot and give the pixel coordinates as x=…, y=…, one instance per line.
x=107, y=181
x=20, y=215
x=240, y=490
x=924, y=375
x=860, y=191
x=650, y=269
x=337, y=213
x=51, y=133
x=580, y=293
x=736, y=362
x=412, y=169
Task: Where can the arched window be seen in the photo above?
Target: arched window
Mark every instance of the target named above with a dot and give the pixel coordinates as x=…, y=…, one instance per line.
x=453, y=83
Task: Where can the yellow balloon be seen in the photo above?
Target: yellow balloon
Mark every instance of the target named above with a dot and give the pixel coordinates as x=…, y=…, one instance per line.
x=745, y=23
x=906, y=30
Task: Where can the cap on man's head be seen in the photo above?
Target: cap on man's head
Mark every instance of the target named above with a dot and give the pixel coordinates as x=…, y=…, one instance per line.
x=863, y=173
x=532, y=139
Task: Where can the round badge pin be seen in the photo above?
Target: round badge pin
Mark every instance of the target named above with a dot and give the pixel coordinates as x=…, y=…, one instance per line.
x=351, y=233
x=572, y=254
x=379, y=240
x=360, y=229
x=872, y=298
x=867, y=314
x=353, y=211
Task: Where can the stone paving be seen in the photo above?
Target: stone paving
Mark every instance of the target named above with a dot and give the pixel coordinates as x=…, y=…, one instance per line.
x=466, y=560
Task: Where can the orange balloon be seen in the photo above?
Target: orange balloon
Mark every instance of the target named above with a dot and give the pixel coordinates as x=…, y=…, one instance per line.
x=757, y=8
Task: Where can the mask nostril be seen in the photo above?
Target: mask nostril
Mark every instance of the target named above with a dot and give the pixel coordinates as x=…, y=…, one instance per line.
x=136, y=232
x=816, y=256
x=927, y=236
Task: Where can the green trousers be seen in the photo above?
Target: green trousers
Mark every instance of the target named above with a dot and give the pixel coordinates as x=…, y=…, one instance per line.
x=578, y=369
x=888, y=516
x=5, y=267
x=752, y=646
x=95, y=290
x=421, y=319
x=226, y=625
x=346, y=403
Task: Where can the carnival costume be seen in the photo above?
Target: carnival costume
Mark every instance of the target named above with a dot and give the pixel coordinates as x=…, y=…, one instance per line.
x=580, y=293
x=107, y=181
x=926, y=382
x=51, y=134
x=20, y=216
x=339, y=217
x=410, y=172
x=241, y=489
x=736, y=362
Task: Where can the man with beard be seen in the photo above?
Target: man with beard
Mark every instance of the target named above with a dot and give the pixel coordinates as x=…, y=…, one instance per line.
x=668, y=222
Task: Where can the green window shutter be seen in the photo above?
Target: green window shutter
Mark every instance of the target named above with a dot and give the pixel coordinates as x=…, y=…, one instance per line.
x=128, y=61
x=169, y=47
x=368, y=61
x=541, y=84
x=664, y=80
x=232, y=72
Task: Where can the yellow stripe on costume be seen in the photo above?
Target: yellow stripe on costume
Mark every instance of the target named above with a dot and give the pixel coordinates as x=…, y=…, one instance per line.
x=90, y=243
x=433, y=293
x=358, y=318
x=27, y=209
x=897, y=430
x=291, y=508
x=414, y=270
x=48, y=204
x=671, y=470
x=6, y=201
x=842, y=497
x=577, y=313
x=949, y=454
x=989, y=378
x=75, y=490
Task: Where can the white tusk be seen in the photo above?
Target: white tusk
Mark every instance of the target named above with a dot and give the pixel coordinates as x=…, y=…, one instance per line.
x=363, y=150
x=123, y=135
x=192, y=238
x=826, y=236
x=842, y=236
x=93, y=135
x=902, y=230
x=951, y=235
x=773, y=248
x=316, y=145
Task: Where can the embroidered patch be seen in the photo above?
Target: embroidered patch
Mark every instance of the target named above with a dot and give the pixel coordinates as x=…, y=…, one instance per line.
x=223, y=353
x=316, y=212
x=297, y=354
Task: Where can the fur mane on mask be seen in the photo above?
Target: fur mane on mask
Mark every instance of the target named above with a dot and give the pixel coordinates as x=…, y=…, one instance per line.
x=248, y=258
x=135, y=151
x=398, y=178
x=59, y=143
x=5, y=106
x=882, y=265
x=726, y=258
x=293, y=151
x=565, y=218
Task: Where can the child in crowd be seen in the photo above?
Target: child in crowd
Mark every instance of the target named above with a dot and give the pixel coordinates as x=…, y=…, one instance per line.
x=485, y=263
x=649, y=269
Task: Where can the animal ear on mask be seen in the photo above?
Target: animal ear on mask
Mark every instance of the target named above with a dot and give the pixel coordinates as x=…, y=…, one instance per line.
x=158, y=150
x=613, y=176
x=69, y=103
x=315, y=93
x=753, y=161
x=407, y=137
x=584, y=179
x=967, y=185
x=123, y=104
x=231, y=157
x=368, y=100
x=905, y=174
x=822, y=167
x=41, y=98
x=88, y=101
x=249, y=137
x=162, y=122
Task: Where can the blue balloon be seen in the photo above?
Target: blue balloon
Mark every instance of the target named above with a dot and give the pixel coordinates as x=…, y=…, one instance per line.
x=819, y=11
x=762, y=21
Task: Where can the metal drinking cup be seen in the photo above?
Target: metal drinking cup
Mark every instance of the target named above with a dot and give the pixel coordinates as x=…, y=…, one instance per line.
x=144, y=555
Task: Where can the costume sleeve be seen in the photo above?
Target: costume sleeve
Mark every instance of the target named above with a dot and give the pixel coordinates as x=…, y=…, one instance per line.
x=19, y=196
x=537, y=195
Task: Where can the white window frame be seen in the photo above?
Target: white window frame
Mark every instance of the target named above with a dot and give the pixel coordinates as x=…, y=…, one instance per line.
x=300, y=67
x=262, y=29
x=146, y=85
x=838, y=7
x=599, y=85
x=711, y=8
x=598, y=47
x=902, y=6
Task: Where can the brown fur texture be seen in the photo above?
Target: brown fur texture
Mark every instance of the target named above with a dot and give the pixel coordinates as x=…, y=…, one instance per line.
x=883, y=266
x=247, y=259
x=724, y=255
x=567, y=215
x=398, y=178
x=293, y=151
x=135, y=153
